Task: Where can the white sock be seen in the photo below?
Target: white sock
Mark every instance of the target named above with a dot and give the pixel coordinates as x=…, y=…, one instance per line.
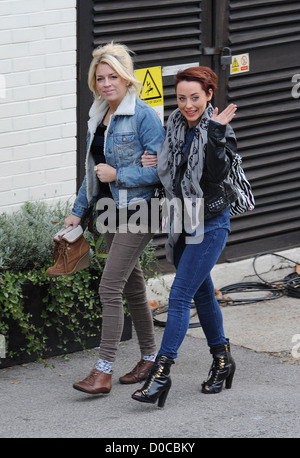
x=150, y=357
x=104, y=366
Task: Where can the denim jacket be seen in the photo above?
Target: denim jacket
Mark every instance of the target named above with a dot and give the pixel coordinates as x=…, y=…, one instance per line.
x=134, y=128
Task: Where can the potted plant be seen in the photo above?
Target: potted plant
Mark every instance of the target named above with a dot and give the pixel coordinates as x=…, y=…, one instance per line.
x=42, y=316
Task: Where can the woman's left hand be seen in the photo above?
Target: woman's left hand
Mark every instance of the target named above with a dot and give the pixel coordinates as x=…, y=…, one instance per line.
x=225, y=116
x=149, y=160
x=106, y=173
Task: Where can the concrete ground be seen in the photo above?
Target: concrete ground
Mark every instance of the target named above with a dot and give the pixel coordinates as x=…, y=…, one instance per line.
x=37, y=400
x=264, y=402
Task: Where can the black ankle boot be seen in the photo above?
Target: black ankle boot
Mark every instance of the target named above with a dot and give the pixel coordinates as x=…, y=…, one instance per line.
x=222, y=368
x=158, y=383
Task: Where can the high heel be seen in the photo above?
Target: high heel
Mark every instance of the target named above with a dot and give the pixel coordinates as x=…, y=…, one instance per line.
x=158, y=383
x=228, y=381
x=222, y=369
x=163, y=397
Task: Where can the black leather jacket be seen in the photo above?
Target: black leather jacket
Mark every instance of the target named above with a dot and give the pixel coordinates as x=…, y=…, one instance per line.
x=221, y=148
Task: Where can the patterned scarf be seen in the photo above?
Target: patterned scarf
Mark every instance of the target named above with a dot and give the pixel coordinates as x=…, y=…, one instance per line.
x=176, y=150
x=174, y=154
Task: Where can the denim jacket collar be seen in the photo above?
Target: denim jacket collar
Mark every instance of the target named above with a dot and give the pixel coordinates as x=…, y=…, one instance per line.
x=100, y=106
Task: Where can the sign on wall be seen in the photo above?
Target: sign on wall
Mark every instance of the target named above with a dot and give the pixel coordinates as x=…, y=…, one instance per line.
x=240, y=64
x=152, y=88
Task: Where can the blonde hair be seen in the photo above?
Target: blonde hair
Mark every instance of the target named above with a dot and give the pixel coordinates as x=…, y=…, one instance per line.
x=117, y=56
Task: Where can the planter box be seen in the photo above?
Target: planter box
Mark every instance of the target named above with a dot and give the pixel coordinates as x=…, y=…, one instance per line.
x=34, y=305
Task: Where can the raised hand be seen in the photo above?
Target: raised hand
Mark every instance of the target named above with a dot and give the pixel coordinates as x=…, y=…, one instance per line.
x=225, y=116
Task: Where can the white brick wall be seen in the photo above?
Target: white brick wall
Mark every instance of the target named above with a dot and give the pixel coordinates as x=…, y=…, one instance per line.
x=37, y=101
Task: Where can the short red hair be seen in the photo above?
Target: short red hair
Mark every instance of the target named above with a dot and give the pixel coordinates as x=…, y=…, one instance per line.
x=203, y=75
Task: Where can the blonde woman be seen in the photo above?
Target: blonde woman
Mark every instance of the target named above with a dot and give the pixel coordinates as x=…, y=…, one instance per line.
x=120, y=128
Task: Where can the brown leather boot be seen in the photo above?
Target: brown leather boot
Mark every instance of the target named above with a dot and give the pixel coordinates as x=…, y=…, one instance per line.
x=71, y=253
x=56, y=239
x=138, y=373
x=96, y=382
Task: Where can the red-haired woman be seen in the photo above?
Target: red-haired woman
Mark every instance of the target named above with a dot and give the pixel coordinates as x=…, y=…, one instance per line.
x=193, y=163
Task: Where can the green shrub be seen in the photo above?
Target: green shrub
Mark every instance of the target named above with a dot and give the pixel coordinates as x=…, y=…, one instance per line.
x=71, y=303
x=26, y=235
x=26, y=251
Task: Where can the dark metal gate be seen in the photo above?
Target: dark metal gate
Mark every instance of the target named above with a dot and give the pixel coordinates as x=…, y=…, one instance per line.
x=267, y=124
x=160, y=33
x=171, y=32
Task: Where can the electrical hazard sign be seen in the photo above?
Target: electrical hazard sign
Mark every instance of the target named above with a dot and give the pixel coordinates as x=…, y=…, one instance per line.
x=240, y=64
x=152, y=88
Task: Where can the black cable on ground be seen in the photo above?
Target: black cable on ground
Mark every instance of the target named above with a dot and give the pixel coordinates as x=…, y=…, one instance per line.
x=248, y=287
x=164, y=309
x=289, y=285
x=292, y=285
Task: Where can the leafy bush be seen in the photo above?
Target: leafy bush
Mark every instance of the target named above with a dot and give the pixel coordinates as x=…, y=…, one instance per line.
x=71, y=303
x=26, y=236
x=26, y=251
x=70, y=306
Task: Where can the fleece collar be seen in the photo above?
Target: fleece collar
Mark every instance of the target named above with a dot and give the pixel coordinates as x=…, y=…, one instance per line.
x=100, y=106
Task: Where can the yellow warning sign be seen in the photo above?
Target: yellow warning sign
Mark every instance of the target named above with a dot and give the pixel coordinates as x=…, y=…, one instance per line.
x=152, y=89
x=240, y=64
x=235, y=66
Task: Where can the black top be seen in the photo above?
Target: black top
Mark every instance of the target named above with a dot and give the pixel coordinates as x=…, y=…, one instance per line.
x=97, y=150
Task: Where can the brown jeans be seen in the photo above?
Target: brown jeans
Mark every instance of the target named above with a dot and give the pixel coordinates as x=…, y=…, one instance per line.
x=123, y=274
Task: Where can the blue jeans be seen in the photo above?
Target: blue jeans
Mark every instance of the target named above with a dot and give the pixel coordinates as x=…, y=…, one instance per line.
x=194, y=263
